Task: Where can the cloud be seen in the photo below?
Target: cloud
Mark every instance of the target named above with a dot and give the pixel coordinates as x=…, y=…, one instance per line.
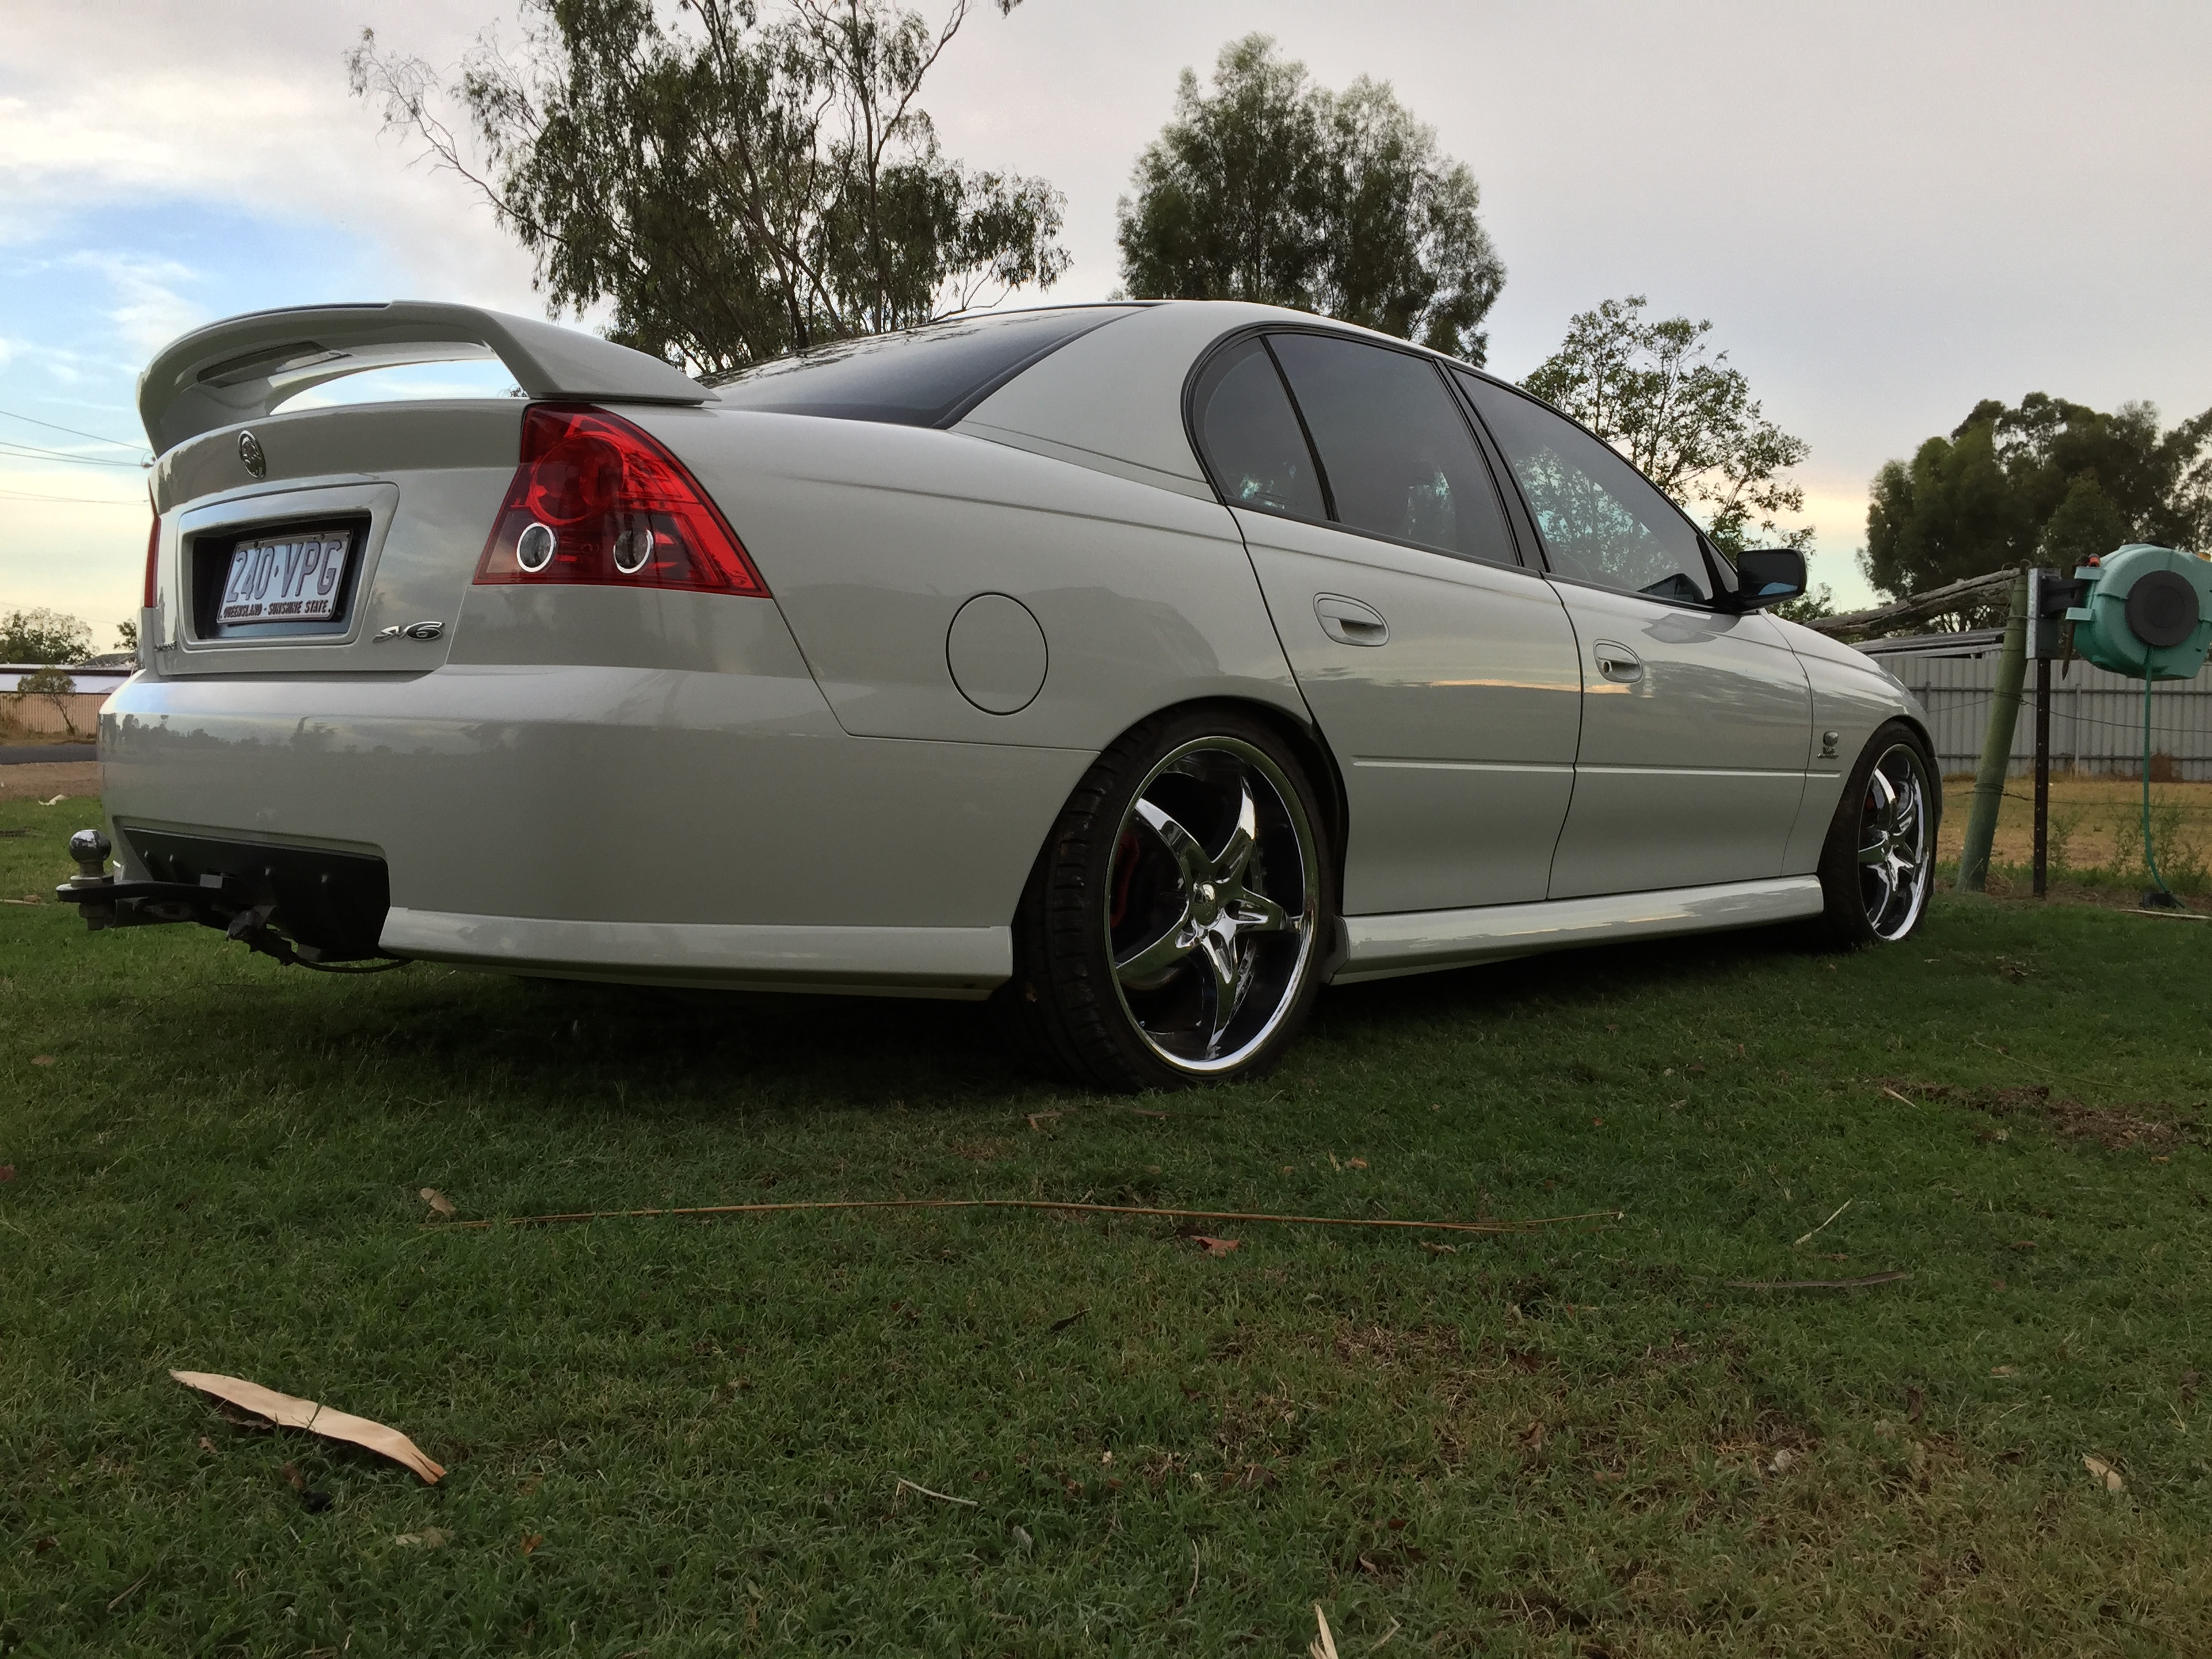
x=150, y=312
x=245, y=107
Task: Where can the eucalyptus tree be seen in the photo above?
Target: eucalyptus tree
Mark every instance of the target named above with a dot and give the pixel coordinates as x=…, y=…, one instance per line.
x=1269, y=187
x=735, y=182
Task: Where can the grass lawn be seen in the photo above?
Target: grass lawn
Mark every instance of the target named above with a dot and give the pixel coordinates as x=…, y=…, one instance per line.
x=681, y=1437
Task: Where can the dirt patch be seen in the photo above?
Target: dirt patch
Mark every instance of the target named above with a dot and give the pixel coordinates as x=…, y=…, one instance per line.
x=43, y=779
x=2119, y=1129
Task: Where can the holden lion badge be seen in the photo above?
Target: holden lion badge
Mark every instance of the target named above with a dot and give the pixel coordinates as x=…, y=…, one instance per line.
x=249, y=451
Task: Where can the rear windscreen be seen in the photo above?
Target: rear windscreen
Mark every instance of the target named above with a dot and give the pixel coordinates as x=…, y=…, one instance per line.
x=927, y=376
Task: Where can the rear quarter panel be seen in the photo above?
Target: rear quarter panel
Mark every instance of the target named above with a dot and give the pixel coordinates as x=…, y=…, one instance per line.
x=871, y=538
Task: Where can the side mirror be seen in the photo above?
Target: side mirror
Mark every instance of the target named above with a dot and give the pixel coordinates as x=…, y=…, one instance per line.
x=1768, y=576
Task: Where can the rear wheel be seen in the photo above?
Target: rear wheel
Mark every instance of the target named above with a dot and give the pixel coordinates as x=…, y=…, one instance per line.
x=1172, y=931
x=1880, y=860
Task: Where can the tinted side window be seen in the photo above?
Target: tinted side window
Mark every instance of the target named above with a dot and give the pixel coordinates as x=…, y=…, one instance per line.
x=1250, y=435
x=1602, y=521
x=1395, y=449
x=923, y=377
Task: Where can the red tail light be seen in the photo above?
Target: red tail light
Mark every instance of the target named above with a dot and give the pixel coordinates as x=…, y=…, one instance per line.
x=154, y=562
x=597, y=500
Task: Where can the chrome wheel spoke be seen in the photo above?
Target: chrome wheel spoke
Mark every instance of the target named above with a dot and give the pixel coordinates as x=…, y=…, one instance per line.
x=1182, y=845
x=1148, y=967
x=1256, y=912
x=1237, y=853
x=1224, y=985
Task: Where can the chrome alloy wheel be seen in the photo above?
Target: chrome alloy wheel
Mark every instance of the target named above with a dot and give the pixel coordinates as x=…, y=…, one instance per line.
x=1895, y=859
x=1212, y=904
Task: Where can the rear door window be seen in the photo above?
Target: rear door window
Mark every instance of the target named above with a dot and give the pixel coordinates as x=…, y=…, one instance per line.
x=1600, y=520
x=1250, y=435
x=1395, y=451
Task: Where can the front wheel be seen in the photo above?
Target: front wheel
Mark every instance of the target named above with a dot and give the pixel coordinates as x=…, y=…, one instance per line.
x=1173, y=930
x=1879, y=862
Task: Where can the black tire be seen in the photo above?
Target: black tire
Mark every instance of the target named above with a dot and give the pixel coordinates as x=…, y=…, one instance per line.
x=1866, y=902
x=1100, y=987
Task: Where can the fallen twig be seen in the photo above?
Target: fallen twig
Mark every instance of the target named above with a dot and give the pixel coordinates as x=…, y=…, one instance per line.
x=1529, y=1226
x=1840, y=1208
x=1889, y=1278
x=143, y=1578
x=905, y=1485
x=1896, y=1096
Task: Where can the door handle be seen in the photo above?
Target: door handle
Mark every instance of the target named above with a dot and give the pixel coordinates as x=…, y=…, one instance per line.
x=1618, y=662
x=1350, y=622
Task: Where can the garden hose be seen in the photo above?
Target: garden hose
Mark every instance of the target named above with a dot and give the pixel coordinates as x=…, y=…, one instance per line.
x=2150, y=857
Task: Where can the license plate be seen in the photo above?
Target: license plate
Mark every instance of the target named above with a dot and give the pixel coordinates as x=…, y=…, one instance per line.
x=296, y=577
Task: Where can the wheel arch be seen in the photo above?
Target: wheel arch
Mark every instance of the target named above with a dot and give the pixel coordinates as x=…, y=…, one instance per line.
x=1306, y=742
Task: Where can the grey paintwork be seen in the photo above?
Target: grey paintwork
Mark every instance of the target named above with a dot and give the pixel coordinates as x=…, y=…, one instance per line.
x=845, y=787
x=1691, y=763
x=1457, y=732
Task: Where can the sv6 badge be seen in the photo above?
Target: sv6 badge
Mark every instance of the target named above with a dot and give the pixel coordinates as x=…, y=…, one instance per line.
x=421, y=630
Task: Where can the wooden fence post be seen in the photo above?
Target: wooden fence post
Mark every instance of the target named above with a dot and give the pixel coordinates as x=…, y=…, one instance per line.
x=1996, y=743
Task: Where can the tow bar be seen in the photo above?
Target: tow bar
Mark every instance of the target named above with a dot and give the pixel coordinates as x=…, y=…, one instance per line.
x=241, y=907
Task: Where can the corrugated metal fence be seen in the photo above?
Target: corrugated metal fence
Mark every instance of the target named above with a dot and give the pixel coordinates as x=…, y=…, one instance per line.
x=2096, y=718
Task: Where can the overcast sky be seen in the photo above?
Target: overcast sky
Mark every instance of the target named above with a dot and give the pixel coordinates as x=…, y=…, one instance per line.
x=1887, y=211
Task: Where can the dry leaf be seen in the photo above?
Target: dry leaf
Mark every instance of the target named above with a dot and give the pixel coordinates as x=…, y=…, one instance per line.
x=438, y=1201
x=530, y=1544
x=430, y=1538
x=1440, y=1249
x=1038, y=1120
x=55, y=801
x=2004, y=1370
x=1355, y=1163
x=288, y=1412
x=1324, y=1644
x=2100, y=1470
x=291, y=1473
x=42, y=1059
x=206, y=1444
x=7, y=1172
x=1780, y=1462
x=1215, y=1246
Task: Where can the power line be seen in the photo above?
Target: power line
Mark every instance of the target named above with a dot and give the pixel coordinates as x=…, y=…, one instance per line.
x=80, y=500
x=73, y=432
x=33, y=453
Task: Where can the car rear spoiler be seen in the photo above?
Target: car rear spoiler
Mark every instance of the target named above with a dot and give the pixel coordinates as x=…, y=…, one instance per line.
x=240, y=369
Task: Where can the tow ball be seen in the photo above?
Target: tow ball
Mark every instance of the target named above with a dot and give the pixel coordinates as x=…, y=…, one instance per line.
x=224, y=902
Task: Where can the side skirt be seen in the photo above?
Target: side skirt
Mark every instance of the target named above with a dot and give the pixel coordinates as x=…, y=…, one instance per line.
x=1420, y=941
x=961, y=962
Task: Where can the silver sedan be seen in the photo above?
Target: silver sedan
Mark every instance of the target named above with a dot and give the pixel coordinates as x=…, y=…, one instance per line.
x=1147, y=665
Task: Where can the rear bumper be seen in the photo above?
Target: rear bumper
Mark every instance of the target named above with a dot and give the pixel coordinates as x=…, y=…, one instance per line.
x=609, y=821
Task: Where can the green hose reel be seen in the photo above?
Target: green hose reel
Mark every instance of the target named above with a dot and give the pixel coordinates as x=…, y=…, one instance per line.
x=2148, y=613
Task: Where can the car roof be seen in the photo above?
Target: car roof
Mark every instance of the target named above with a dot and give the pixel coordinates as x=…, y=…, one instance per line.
x=1113, y=399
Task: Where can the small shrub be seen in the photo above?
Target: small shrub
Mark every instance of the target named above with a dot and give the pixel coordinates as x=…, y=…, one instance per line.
x=54, y=685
